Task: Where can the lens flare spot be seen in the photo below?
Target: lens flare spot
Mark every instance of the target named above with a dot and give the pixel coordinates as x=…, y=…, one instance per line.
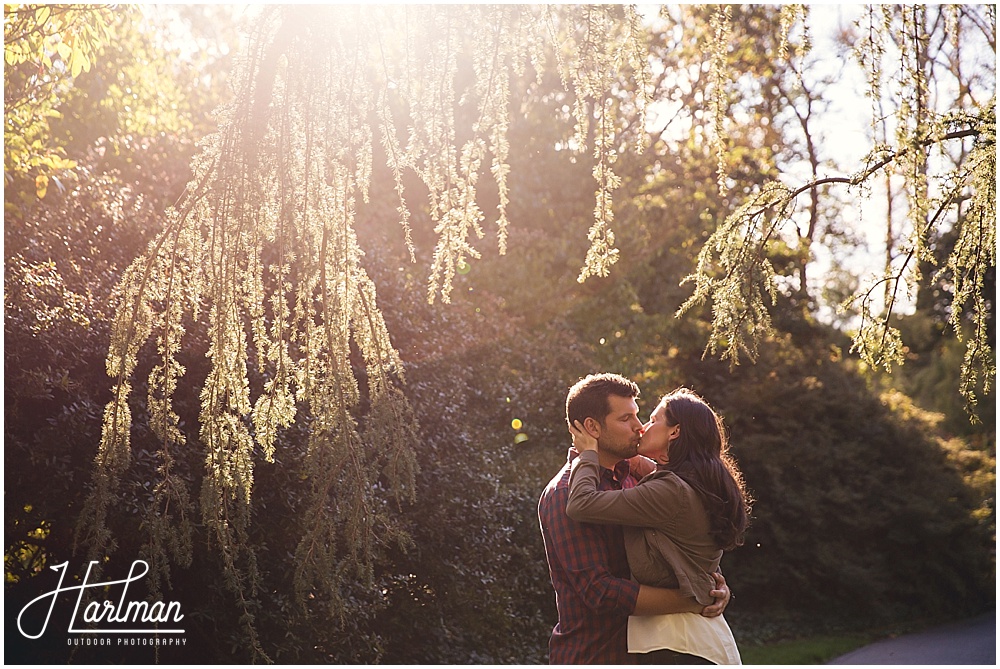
x=520, y=438
x=463, y=268
x=516, y=423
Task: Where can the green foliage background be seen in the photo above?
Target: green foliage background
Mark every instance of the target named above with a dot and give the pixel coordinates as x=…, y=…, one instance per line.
x=875, y=495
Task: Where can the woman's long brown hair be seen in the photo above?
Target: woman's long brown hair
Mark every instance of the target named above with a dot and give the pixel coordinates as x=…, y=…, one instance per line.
x=700, y=456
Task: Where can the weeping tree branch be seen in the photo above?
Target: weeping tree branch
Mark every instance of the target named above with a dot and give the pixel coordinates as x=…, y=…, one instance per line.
x=733, y=270
x=280, y=178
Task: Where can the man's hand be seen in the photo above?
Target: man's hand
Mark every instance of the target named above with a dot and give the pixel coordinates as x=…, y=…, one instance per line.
x=722, y=596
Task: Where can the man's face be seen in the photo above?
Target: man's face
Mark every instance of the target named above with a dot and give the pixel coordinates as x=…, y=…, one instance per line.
x=619, y=438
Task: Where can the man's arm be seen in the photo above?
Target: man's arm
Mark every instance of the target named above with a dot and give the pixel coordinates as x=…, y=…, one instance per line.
x=580, y=550
x=656, y=601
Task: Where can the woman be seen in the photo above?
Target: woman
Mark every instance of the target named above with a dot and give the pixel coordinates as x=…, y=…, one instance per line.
x=678, y=520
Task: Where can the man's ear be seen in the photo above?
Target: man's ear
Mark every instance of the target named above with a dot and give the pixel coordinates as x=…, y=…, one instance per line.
x=593, y=427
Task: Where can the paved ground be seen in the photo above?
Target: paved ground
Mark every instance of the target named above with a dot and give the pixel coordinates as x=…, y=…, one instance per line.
x=972, y=641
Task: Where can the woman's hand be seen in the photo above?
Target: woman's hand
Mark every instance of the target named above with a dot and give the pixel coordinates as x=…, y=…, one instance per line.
x=582, y=441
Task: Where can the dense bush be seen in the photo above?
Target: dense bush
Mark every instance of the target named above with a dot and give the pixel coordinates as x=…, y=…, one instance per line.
x=860, y=500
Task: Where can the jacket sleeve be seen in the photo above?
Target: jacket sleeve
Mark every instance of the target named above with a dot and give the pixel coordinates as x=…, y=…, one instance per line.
x=654, y=503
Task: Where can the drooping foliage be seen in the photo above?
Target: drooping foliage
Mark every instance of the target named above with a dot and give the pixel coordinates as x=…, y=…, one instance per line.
x=263, y=246
x=944, y=149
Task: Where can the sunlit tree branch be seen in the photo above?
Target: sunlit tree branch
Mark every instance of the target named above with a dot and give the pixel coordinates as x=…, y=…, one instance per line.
x=733, y=270
x=262, y=248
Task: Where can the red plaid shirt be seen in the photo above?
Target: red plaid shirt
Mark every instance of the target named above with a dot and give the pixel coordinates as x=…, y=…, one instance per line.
x=590, y=574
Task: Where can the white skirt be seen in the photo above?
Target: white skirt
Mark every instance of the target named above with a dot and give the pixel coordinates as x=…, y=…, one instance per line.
x=689, y=633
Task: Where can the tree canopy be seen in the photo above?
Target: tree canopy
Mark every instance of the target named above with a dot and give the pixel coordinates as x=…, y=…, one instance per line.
x=45, y=48
x=305, y=320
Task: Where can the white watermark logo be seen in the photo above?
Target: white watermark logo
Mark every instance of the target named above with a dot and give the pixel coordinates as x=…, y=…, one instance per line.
x=119, y=617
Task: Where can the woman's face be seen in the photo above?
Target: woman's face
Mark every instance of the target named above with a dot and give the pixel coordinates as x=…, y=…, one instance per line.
x=657, y=434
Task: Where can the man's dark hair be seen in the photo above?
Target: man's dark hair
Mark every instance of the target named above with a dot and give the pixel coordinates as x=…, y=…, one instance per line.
x=588, y=398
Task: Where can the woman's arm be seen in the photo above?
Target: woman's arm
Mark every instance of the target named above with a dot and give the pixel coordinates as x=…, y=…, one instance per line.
x=648, y=505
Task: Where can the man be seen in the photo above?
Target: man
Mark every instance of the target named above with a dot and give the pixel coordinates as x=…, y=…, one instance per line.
x=587, y=562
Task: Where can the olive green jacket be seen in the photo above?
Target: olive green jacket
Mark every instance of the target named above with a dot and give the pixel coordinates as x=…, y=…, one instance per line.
x=666, y=526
